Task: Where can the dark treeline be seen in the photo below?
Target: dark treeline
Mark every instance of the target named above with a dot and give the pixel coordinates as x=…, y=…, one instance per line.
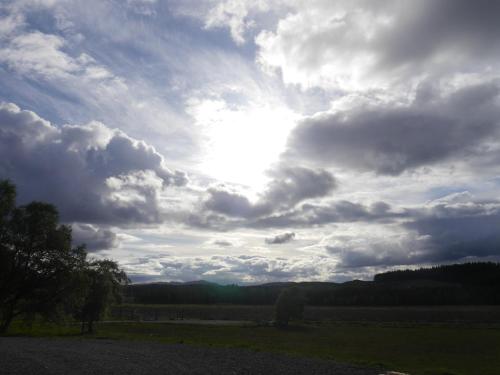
x=203, y=293
x=460, y=284
x=466, y=274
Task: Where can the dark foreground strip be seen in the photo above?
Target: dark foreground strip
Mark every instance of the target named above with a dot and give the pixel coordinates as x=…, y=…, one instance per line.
x=41, y=356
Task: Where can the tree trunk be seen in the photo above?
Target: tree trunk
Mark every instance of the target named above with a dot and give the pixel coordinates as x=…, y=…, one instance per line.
x=91, y=326
x=6, y=320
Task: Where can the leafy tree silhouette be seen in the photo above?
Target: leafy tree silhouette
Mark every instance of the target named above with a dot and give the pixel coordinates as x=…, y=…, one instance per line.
x=101, y=286
x=41, y=273
x=289, y=305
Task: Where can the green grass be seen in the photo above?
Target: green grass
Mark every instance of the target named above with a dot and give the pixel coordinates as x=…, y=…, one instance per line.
x=417, y=349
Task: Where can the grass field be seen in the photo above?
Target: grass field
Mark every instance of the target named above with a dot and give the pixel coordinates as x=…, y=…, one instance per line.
x=409, y=314
x=414, y=348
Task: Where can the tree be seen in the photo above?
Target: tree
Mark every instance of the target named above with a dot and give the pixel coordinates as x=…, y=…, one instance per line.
x=41, y=273
x=36, y=258
x=289, y=305
x=102, y=285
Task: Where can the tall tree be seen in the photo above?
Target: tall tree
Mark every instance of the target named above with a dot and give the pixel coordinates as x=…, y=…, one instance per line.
x=36, y=258
x=40, y=272
x=102, y=285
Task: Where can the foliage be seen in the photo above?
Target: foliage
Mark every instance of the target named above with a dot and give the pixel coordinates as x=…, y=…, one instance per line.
x=37, y=262
x=40, y=272
x=102, y=282
x=289, y=305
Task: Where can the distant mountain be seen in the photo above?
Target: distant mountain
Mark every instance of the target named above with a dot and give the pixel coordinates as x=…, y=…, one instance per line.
x=459, y=284
x=200, y=282
x=283, y=284
x=194, y=282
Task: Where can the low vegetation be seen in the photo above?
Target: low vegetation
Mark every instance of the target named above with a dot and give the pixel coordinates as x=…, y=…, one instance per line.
x=420, y=349
x=352, y=314
x=289, y=305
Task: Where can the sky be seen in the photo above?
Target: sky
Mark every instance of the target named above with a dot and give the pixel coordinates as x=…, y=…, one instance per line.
x=258, y=141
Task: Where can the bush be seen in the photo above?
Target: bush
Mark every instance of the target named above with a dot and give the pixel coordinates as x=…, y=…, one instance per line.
x=289, y=305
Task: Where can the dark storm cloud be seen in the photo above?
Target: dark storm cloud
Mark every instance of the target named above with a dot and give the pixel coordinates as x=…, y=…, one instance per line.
x=288, y=187
x=460, y=229
x=390, y=139
x=233, y=204
x=356, y=252
x=293, y=185
x=450, y=229
x=280, y=238
x=424, y=29
x=334, y=212
x=303, y=216
x=93, y=238
x=91, y=173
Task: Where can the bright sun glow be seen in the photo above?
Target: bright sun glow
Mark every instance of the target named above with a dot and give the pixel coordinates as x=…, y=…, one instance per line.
x=242, y=142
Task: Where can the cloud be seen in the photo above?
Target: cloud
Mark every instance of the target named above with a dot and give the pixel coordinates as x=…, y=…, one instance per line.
x=390, y=138
x=280, y=238
x=244, y=268
x=288, y=187
x=56, y=66
x=223, y=243
x=448, y=229
x=376, y=250
x=236, y=15
x=388, y=103
x=457, y=227
x=232, y=204
x=94, y=238
x=232, y=14
x=291, y=185
x=40, y=54
x=342, y=211
x=92, y=173
x=367, y=44
x=44, y=56
x=294, y=198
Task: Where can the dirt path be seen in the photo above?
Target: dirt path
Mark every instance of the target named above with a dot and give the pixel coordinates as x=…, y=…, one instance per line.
x=41, y=356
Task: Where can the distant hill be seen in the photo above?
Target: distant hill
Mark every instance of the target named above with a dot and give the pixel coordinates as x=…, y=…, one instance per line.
x=459, y=284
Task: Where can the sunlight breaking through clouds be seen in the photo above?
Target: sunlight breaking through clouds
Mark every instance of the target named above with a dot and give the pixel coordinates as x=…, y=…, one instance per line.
x=242, y=141
x=254, y=141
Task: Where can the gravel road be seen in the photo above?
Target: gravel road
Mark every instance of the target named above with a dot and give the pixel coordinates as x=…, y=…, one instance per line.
x=43, y=356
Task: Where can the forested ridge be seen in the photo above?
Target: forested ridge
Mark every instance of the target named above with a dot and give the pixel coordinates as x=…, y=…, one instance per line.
x=458, y=284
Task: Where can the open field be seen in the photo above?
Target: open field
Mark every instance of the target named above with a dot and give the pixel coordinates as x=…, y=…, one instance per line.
x=458, y=349
x=411, y=314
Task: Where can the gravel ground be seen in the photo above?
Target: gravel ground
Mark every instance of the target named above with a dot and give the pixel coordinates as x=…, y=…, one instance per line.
x=42, y=356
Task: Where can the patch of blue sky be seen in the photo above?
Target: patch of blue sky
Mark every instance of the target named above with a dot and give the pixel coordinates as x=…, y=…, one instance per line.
x=443, y=191
x=172, y=239
x=48, y=101
x=42, y=20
